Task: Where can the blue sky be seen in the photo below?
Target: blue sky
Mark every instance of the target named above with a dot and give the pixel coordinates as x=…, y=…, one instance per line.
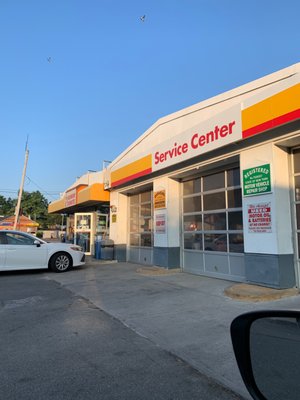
x=111, y=76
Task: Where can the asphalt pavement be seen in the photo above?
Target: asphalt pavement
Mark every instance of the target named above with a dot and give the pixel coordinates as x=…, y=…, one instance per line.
x=185, y=314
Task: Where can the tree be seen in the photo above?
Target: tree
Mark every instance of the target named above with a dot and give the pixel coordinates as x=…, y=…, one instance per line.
x=7, y=206
x=33, y=205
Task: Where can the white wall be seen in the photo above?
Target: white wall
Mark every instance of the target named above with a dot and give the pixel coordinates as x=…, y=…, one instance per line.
x=172, y=213
x=118, y=229
x=279, y=240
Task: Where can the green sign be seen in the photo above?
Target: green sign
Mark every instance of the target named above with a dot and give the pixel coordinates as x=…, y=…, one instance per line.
x=257, y=180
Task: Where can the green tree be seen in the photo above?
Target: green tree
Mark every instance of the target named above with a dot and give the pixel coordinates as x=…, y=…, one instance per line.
x=33, y=205
x=7, y=206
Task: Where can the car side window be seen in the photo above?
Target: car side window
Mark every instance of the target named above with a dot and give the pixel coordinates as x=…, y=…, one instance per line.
x=18, y=239
x=2, y=238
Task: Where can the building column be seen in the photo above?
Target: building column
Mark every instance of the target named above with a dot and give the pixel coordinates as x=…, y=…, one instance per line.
x=166, y=250
x=269, y=255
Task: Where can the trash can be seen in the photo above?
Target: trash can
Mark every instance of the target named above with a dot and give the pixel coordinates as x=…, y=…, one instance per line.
x=107, y=249
x=98, y=247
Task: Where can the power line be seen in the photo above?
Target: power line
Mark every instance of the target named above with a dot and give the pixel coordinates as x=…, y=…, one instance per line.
x=43, y=190
x=50, y=193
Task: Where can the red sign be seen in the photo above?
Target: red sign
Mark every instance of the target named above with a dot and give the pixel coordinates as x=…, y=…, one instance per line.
x=71, y=198
x=259, y=218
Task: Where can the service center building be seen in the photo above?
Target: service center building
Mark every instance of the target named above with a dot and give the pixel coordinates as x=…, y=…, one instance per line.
x=215, y=188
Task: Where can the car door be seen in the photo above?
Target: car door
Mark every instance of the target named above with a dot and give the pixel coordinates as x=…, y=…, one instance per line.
x=23, y=253
x=2, y=250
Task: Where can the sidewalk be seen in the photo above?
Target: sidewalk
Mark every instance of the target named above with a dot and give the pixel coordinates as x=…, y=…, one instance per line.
x=185, y=314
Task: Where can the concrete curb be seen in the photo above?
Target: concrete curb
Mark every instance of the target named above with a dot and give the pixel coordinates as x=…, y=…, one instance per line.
x=152, y=271
x=254, y=293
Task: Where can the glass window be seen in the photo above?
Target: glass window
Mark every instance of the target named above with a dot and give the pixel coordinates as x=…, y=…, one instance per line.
x=234, y=198
x=141, y=219
x=296, y=160
x=235, y=220
x=214, y=201
x=146, y=225
x=134, y=227
x=193, y=241
x=220, y=214
x=192, y=204
x=191, y=187
x=146, y=239
x=298, y=215
x=2, y=238
x=215, y=222
x=146, y=210
x=233, y=177
x=146, y=197
x=214, y=181
x=297, y=188
x=134, y=239
x=236, y=243
x=134, y=199
x=17, y=239
x=83, y=222
x=192, y=222
x=134, y=211
x=215, y=242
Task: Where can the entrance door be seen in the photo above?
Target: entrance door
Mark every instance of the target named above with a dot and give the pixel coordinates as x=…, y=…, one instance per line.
x=84, y=231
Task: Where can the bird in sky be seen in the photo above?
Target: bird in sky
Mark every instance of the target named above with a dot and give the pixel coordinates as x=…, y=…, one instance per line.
x=142, y=18
x=49, y=59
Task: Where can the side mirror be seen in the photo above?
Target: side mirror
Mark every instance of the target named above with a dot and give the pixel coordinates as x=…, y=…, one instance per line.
x=37, y=243
x=267, y=349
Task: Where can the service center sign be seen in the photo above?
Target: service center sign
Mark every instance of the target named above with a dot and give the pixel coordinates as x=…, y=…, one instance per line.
x=223, y=129
x=257, y=180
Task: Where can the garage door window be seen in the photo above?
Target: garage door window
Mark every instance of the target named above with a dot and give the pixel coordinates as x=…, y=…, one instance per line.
x=141, y=220
x=212, y=213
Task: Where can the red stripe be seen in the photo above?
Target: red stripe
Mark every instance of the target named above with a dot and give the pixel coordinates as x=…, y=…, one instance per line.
x=131, y=177
x=283, y=119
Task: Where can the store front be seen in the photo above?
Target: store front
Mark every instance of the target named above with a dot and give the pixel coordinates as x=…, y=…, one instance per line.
x=213, y=189
x=86, y=207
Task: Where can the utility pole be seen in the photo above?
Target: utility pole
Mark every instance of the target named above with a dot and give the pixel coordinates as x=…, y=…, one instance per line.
x=21, y=187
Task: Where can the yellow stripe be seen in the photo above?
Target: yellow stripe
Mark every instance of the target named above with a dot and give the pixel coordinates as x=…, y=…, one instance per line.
x=132, y=168
x=56, y=205
x=279, y=104
x=94, y=192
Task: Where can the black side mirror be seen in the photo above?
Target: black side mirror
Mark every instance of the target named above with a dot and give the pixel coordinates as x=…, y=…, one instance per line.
x=267, y=349
x=37, y=243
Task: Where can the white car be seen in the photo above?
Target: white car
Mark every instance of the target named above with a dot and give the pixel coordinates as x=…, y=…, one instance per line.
x=19, y=250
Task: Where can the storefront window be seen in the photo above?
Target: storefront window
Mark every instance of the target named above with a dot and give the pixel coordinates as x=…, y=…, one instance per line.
x=219, y=225
x=141, y=220
x=233, y=177
x=192, y=204
x=214, y=201
x=234, y=198
x=191, y=187
x=214, y=181
x=192, y=222
x=215, y=222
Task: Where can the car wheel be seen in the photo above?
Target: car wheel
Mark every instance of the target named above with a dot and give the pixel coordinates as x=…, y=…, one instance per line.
x=60, y=262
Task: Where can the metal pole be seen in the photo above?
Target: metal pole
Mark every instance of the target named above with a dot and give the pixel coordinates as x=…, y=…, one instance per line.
x=21, y=189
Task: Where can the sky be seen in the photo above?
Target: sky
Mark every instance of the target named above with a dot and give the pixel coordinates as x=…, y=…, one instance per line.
x=83, y=79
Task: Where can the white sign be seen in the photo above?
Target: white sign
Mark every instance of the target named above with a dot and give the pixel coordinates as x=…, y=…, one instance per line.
x=259, y=218
x=160, y=223
x=218, y=131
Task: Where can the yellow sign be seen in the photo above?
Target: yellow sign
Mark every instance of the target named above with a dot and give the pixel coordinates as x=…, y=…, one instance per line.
x=160, y=199
x=114, y=218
